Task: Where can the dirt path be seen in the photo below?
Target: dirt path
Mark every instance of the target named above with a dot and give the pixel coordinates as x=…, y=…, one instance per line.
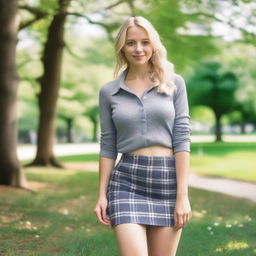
x=227, y=186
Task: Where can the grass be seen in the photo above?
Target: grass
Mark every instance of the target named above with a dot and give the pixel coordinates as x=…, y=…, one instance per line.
x=235, y=160
x=232, y=160
x=73, y=158
x=59, y=220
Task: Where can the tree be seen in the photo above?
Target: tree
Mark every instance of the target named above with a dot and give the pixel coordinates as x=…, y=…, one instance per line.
x=172, y=22
x=212, y=87
x=247, y=113
x=50, y=81
x=241, y=58
x=91, y=113
x=238, y=20
x=10, y=170
x=188, y=27
x=71, y=105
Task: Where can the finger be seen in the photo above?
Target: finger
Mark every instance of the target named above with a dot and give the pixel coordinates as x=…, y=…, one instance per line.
x=177, y=228
x=104, y=217
x=99, y=215
x=178, y=221
x=107, y=214
x=97, y=212
x=175, y=220
x=186, y=219
x=103, y=210
x=180, y=218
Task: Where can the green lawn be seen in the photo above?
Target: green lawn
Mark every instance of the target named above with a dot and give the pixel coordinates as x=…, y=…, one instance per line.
x=232, y=160
x=59, y=220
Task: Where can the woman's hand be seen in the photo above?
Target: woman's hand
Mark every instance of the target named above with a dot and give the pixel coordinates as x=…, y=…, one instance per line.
x=182, y=212
x=100, y=211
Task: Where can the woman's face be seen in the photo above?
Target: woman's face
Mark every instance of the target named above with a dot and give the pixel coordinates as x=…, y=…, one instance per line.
x=137, y=48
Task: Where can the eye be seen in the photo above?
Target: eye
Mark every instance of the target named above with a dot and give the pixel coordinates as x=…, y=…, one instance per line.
x=130, y=43
x=146, y=42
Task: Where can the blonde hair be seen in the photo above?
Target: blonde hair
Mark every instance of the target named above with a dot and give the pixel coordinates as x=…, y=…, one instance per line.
x=162, y=71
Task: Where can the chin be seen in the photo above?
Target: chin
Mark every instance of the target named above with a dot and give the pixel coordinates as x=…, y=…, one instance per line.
x=139, y=63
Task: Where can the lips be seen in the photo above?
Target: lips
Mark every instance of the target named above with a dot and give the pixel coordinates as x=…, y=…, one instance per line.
x=138, y=56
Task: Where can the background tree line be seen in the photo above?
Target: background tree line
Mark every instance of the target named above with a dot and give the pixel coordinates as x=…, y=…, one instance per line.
x=59, y=76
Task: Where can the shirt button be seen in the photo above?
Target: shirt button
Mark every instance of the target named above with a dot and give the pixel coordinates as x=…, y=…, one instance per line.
x=144, y=97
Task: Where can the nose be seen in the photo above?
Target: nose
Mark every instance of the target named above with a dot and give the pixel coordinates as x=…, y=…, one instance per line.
x=138, y=47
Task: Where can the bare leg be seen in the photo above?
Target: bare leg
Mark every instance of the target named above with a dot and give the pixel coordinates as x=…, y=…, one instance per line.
x=162, y=241
x=131, y=239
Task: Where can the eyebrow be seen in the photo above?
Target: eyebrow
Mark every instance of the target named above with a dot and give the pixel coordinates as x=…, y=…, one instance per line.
x=130, y=39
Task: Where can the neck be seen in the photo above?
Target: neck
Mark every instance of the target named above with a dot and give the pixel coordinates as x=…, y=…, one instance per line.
x=138, y=72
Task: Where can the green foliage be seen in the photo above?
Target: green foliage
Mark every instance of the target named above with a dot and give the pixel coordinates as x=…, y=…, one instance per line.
x=184, y=48
x=100, y=53
x=234, y=117
x=213, y=87
x=241, y=59
x=186, y=35
x=202, y=114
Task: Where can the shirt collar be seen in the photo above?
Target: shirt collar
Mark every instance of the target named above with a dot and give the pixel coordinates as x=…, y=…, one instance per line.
x=120, y=82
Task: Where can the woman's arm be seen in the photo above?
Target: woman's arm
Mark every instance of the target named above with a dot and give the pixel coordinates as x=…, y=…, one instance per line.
x=105, y=167
x=182, y=169
x=108, y=153
x=182, y=212
x=181, y=148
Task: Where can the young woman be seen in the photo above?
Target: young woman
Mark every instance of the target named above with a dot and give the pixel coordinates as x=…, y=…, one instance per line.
x=144, y=115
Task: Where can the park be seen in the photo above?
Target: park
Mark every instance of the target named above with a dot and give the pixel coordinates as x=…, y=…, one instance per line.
x=56, y=55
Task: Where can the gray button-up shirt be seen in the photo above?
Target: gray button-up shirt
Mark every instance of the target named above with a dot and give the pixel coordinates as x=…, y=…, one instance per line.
x=129, y=122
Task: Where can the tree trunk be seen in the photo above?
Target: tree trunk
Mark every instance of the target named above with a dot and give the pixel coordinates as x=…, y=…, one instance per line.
x=10, y=171
x=242, y=126
x=69, y=130
x=50, y=82
x=95, y=130
x=218, y=127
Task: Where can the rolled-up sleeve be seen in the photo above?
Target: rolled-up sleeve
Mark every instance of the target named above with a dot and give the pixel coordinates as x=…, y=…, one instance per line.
x=181, y=128
x=108, y=130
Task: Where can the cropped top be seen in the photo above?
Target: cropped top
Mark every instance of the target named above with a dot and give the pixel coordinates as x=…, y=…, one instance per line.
x=129, y=122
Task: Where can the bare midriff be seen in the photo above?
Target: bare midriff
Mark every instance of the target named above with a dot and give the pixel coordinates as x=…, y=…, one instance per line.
x=155, y=150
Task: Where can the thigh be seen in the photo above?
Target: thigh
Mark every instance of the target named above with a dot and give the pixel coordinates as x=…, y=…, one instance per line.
x=131, y=239
x=162, y=240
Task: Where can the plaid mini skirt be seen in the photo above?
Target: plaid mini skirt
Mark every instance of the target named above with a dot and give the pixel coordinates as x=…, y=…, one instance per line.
x=142, y=189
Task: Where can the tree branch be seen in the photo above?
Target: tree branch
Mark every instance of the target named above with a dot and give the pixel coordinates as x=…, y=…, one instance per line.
x=131, y=5
x=108, y=27
x=35, y=11
x=113, y=5
x=249, y=36
x=73, y=54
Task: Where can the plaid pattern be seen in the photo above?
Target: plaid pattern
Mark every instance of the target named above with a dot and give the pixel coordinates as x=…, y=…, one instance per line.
x=142, y=189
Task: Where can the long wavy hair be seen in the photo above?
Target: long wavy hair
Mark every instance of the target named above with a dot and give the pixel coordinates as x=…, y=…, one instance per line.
x=162, y=71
